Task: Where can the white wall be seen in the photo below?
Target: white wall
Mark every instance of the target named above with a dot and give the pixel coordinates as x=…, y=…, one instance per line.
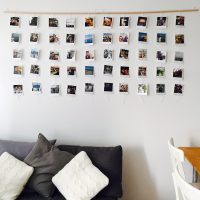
x=142, y=125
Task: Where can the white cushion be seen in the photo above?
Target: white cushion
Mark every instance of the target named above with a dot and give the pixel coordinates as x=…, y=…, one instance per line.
x=14, y=174
x=80, y=179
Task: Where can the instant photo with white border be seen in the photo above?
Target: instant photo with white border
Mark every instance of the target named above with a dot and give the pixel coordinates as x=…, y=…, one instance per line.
x=34, y=22
x=35, y=54
x=55, y=90
x=89, y=88
x=18, y=89
x=143, y=89
x=124, y=22
x=160, y=89
x=123, y=88
x=16, y=38
x=34, y=38
x=36, y=87
x=17, y=54
x=107, y=38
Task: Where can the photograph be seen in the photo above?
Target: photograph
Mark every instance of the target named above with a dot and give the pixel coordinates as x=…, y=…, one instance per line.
x=89, y=55
x=89, y=22
x=89, y=87
x=142, y=22
x=54, y=55
x=71, y=71
x=107, y=21
x=108, y=54
x=179, y=56
x=55, y=89
x=124, y=71
x=160, y=88
x=53, y=38
x=178, y=73
x=108, y=87
x=70, y=39
x=18, y=89
x=54, y=70
x=124, y=22
x=18, y=70
x=71, y=55
x=17, y=53
x=123, y=38
x=35, y=53
x=35, y=69
x=71, y=23
x=179, y=39
x=34, y=37
x=160, y=71
x=89, y=70
x=142, y=71
x=53, y=22
x=71, y=89
x=36, y=87
x=161, y=22
x=142, y=54
x=178, y=89
x=14, y=21
x=107, y=70
x=123, y=54
x=180, y=20
x=15, y=37
x=107, y=38
x=89, y=39
x=33, y=22
x=142, y=89
x=161, y=56
x=162, y=38
x=142, y=37
x=123, y=87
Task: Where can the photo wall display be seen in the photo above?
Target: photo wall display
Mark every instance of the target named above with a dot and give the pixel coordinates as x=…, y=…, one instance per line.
x=109, y=54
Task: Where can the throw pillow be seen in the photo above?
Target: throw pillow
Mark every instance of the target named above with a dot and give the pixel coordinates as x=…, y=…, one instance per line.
x=47, y=160
x=80, y=179
x=14, y=174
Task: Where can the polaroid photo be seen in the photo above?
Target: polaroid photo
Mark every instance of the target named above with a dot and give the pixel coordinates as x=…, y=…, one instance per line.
x=142, y=72
x=55, y=70
x=108, y=70
x=35, y=69
x=15, y=37
x=160, y=88
x=89, y=70
x=108, y=87
x=142, y=37
x=160, y=72
x=34, y=38
x=70, y=23
x=17, y=54
x=35, y=53
x=89, y=39
x=18, y=89
x=89, y=88
x=53, y=22
x=15, y=21
x=89, y=55
x=143, y=89
x=123, y=88
x=179, y=39
x=33, y=22
x=123, y=54
x=161, y=22
x=54, y=55
x=180, y=21
x=89, y=22
x=179, y=56
x=53, y=38
x=107, y=21
x=123, y=38
x=36, y=87
x=71, y=55
x=71, y=71
x=124, y=22
x=178, y=73
x=161, y=56
x=18, y=70
x=107, y=38
x=124, y=71
x=108, y=54
x=161, y=38
x=70, y=39
x=71, y=89
x=142, y=22
x=55, y=90
x=178, y=89
x=142, y=54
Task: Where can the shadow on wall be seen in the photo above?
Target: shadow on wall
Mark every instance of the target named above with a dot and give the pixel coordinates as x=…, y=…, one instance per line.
x=137, y=181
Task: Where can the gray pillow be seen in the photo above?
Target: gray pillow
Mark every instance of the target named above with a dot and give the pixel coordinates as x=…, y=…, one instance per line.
x=18, y=149
x=47, y=160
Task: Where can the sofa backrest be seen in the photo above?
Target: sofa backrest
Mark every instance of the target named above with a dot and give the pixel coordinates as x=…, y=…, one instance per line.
x=108, y=160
